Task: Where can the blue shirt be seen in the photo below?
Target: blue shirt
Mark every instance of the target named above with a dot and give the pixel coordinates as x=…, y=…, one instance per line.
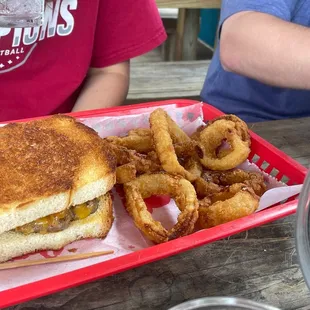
x=249, y=99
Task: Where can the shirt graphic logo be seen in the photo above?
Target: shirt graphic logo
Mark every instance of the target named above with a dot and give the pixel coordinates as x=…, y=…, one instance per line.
x=17, y=44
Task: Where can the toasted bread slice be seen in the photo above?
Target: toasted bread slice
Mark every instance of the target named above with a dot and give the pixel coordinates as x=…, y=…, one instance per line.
x=48, y=165
x=97, y=225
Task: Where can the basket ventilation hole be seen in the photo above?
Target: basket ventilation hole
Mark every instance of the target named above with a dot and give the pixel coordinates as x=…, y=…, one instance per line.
x=284, y=179
x=264, y=165
x=274, y=172
x=255, y=158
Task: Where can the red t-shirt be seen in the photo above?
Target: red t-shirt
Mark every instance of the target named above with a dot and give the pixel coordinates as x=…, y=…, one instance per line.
x=43, y=68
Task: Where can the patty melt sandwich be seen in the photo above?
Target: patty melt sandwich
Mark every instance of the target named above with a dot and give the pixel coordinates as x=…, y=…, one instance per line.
x=55, y=178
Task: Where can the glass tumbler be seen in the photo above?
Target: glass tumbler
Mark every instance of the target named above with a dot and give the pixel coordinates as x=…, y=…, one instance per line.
x=302, y=231
x=222, y=303
x=21, y=13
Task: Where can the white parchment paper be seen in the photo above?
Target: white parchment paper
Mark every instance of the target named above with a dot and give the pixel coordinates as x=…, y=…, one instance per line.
x=124, y=237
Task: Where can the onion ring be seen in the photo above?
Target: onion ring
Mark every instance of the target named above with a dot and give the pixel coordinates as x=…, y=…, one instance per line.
x=195, y=136
x=133, y=141
x=193, y=166
x=252, y=179
x=165, y=132
x=240, y=126
x=212, y=136
x=186, y=149
x=178, y=136
x=205, y=188
x=234, y=202
x=181, y=190
x=141, y=161
x=142, y=132
x=125, y=173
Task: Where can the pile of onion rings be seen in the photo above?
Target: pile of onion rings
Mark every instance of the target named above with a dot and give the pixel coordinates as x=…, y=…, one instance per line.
x=200, y=172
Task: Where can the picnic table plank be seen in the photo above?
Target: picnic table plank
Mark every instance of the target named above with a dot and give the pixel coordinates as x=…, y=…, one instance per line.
x=200, y=4
x=167, y=79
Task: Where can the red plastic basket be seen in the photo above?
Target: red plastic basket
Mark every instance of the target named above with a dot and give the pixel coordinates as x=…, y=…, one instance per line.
x=265, y=155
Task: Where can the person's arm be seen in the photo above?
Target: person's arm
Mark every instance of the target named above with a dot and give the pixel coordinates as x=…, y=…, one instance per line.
x=124, y=30
x=104, y=87
x=266, y=48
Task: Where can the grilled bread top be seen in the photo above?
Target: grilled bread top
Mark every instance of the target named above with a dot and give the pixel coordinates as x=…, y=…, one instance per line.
x=46, y=157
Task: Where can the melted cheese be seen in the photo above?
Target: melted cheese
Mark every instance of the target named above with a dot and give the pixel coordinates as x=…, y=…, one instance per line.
x=58, y=221
x=82, y=211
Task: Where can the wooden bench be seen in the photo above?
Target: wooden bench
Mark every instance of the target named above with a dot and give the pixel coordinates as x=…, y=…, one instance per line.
x=166, y=80
x=182, y=45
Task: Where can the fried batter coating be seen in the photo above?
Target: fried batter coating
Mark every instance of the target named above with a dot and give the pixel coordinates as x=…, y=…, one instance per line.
x=141, y=161
x=141, y=144
x=205, y=188
x=142, y=132
x=181, y=190
x=212, y=136
x=186, y=149
x=252, y=179
x=165, y=132
x=125, y=173
x=240, y=126
x=193, y=166
x=234, y=202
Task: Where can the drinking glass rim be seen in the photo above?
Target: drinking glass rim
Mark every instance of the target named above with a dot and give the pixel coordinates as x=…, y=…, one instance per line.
x=222, y=301
x=5, y=13
x=302, y=223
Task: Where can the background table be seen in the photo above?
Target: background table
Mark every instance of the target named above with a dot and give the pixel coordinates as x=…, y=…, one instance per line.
x=260, y=264
x=188, y=24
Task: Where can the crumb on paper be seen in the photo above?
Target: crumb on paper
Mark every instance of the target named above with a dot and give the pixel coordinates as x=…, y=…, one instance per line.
x=72, y=250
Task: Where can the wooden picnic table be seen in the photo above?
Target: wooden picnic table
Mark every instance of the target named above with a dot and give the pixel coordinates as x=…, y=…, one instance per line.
x=260, y=264
x=168, y=80
x=188, y=24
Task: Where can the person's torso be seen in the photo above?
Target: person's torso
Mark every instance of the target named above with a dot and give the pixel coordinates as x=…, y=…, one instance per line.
x=44, y=66
x=250, y=99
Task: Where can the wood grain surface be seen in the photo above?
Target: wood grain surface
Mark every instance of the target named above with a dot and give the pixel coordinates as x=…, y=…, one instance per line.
x=167, y=79
x=260, y=264
x=199, y=4
x=188, y=28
